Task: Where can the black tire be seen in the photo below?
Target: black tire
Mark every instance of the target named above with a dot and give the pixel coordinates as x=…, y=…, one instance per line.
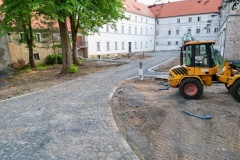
x=235, y=90
x=191, y=88
x=228, y=88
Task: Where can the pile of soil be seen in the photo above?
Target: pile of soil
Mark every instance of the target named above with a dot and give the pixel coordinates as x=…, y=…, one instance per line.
x=35, y=80
x=152, y=120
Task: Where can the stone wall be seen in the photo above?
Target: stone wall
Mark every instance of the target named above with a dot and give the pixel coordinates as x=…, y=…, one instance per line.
x=232, y=46
x=232, y=50
x=4, y=53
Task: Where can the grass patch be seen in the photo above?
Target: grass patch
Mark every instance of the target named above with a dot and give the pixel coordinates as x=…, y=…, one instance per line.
x=38, y=67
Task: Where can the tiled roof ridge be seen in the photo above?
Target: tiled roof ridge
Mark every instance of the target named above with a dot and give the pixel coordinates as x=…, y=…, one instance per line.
x=185, y=7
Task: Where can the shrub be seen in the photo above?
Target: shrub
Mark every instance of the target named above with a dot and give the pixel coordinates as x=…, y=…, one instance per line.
x=72, y=69
x=51, y=59
x=20, y=64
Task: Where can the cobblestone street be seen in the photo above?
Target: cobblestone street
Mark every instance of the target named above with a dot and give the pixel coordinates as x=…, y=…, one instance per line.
x=69, y=121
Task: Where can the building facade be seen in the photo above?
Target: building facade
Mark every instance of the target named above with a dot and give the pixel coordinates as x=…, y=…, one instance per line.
x=170, y=31
x=148, y=28
x=196, y=19
x=229, y=35
x=4, y=53
x=137, y=34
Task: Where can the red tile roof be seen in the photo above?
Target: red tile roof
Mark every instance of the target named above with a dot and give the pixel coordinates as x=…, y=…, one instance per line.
x=186, y=7
x=136, y=7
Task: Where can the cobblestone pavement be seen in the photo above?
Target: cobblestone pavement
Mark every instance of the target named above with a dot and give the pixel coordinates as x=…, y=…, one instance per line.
x=69, y=121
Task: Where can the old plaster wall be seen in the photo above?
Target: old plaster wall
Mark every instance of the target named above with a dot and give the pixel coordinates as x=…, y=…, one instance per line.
x=232, y=48
x=4, y=53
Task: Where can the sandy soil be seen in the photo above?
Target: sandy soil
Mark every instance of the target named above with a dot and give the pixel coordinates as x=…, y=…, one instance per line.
x=154, y=124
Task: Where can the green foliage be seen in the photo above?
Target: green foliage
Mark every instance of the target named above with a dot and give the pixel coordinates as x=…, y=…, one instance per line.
x=95, y=14
x=38, y=66
x=81, y=60
x=54, y=59
x=72, y=69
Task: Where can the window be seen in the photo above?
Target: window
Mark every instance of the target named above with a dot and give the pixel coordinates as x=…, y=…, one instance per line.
x=177, y=43
x=135, y=45
x=190, y=19
x=135, y=18
x=141, y=31
x=122, y=45
x=146, y=44
x=198, y=31
x=141, y=45
x=9, y=37
x=178, y=20
x=215, y=30
x=129, y=28
x=122, y=28
x=98, y=46
x=146, y=31
x=208, y=30
x=157, y=33
x=169, y=32
x=177, y=32
x=56, y=38
x=189, y=31
x=156, y=43
x=158, y=22
x=70, y=36
x=21, y=36
x=141, y=19
x=116, y=46
x=198, y=19
x=146, y=20
x=169, y=43
x=107, y=28
x=135, y=30
x=108, y=46
x=36, y=56
x=38, y=37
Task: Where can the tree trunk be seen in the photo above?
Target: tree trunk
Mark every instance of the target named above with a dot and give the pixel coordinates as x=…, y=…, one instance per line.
x=66, y=50
x=74, y=29
x=74, y=50
x=29, y=40
x=31, y=59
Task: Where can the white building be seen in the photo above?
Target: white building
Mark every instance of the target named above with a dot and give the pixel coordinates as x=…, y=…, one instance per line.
x=197, y=19
x=134, y=35
x=158, y=27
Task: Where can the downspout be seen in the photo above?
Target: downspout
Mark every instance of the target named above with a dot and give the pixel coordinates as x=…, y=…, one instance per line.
x=155, y=36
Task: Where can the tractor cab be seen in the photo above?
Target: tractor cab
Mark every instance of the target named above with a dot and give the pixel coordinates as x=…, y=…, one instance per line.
x=200, y=58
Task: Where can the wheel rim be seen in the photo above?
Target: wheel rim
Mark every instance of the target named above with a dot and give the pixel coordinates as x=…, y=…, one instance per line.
x=190, y=89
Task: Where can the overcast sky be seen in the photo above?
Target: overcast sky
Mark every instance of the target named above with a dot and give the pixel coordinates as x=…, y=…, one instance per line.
x=148, y=2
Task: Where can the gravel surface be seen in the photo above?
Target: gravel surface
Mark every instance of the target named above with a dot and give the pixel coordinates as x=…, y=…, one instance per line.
x=156, y=128
x=69, y=121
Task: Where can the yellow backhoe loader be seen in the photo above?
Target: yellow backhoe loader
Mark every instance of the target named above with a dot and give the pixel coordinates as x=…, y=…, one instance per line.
x=201, y=68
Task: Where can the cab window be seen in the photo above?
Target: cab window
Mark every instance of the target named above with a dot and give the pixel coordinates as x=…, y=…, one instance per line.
x=188, y=55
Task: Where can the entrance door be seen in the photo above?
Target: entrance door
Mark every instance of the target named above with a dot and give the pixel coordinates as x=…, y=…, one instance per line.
x=129, y=47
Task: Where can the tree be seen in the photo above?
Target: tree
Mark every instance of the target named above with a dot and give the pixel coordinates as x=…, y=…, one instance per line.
x=59, y=10
x=18, y=16
x=234, y=2
x=91, y=15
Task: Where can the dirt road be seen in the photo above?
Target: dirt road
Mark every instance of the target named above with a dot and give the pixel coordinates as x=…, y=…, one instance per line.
x=155, y=127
